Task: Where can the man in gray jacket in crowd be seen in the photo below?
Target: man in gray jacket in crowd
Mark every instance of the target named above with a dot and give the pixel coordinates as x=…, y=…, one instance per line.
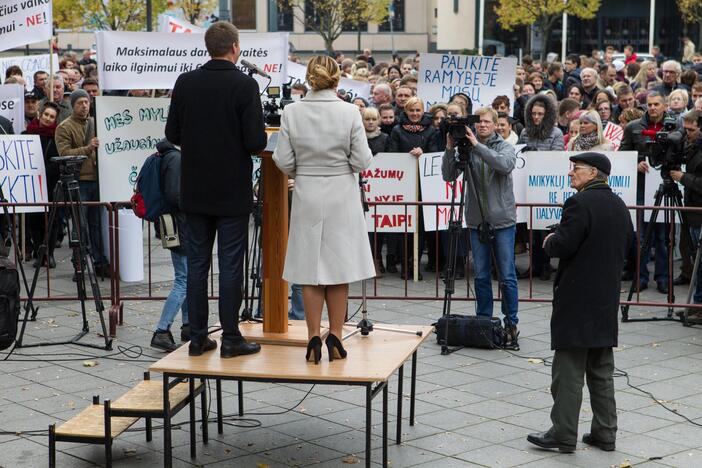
x=491, y=215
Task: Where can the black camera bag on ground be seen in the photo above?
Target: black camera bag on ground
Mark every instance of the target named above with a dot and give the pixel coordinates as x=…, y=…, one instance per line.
x=9, y=302
x=471, y=331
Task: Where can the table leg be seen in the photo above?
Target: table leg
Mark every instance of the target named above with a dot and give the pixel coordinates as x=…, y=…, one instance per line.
x=413, y=391
x=240, y=391
x=203, y=411
x=191, y=388
x=220, y=423
x=369, y=408
x=167, y=449
x=385, y=424
x=400, y=379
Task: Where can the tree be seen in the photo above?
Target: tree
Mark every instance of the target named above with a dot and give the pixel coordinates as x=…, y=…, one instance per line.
x=115, y=15
x=193, y=8
x=691, y=10
x=543, y=13
x=328, y=18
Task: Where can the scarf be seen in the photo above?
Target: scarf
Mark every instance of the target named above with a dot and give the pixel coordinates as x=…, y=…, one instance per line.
x=413, y=128
x=585, y=142
x=35, y=128
x=373, y=134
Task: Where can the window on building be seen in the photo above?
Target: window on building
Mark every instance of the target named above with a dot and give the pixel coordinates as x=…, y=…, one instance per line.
x=244, y=14
x=398, y=21
x=280, y=18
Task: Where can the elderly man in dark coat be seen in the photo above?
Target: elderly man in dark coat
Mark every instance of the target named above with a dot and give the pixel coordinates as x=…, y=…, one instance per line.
x=217, y=119
x=591, y=242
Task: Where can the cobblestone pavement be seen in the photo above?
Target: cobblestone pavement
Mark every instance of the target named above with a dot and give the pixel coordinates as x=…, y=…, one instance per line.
x=474, y=407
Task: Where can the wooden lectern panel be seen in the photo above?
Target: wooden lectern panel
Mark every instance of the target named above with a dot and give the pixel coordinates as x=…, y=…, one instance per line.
x=275, y=242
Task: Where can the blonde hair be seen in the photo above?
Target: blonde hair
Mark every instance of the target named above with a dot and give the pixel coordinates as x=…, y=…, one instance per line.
x=641, y=76
x=361, y=74
x=322, y=73
x=678, y=92
x=594, y=115
x=488, y=110
x=370, y=112
x=413, y=101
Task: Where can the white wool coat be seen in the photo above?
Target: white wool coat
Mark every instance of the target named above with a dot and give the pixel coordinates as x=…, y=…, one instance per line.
x=322, y=145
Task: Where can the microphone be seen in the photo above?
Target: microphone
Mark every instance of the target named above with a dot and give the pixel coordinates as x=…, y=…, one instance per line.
x=648, y=133
x=254, y=68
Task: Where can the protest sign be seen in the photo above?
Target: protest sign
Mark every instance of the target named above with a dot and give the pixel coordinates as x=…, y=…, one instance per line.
x=29, y=64
x=128, y=129
x=519, y=185
x=171, y=24
x=24, y=22
x=548, y=182
x=153, y=60
x=12, y=105
x=22, y=171
x=297, y=74
x=436, y=190
x=391, y=178
x=614, y=133
x=481, y=78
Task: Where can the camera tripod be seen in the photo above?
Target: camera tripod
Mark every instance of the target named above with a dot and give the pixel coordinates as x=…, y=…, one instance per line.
x=667, y=195
x=486, y=235
x=67, y=193
x=693, y=282
x=247, y=313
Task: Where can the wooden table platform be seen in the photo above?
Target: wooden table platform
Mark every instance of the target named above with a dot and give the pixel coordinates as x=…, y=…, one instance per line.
x=371, y=361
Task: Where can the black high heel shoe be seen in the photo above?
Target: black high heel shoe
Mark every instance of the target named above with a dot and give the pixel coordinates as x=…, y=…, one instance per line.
x=314, y=350
x=334, y=347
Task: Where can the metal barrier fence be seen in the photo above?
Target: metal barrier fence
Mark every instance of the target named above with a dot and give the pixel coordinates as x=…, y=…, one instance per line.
x=381, y=289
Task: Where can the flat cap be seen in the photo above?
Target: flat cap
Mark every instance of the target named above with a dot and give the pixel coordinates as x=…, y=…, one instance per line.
x=597, y=160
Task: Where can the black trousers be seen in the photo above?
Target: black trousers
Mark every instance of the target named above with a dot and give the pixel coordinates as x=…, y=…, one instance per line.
x=570, y=367
x=231, y=235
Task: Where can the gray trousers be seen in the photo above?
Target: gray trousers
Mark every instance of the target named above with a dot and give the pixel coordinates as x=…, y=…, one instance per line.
x=570, y=366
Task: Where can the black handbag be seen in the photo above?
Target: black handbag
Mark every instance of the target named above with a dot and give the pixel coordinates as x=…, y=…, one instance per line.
x=471, y=331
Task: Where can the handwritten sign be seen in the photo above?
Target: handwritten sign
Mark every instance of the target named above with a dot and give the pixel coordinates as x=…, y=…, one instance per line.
x=12, y=105
x=481, y=78
x=22, y=171
x=153, y=60
x=129, y=129
x=391, y=178
x=29, y=64
x=24, y=22
x=355, y=88
x=614, y=133
x=436, y=190
x=171, y=24
x=548, y=181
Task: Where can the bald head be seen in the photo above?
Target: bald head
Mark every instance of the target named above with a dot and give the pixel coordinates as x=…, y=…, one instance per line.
x=588, y=76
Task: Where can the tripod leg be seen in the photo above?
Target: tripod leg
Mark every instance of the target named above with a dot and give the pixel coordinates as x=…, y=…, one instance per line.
x=693, y=281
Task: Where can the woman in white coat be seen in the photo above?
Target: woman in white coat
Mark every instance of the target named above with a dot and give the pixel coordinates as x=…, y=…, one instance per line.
x=322, y=145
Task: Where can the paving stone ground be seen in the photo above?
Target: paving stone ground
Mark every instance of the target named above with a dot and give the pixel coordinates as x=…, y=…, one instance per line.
x=474, y=407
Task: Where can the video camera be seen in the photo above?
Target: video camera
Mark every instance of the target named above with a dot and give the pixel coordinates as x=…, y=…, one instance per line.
x=665, y=150
x=271, y=108
x=69, y=165
x=456, y=127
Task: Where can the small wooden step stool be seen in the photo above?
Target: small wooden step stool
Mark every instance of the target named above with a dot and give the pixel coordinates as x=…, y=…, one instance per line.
x=101, y=424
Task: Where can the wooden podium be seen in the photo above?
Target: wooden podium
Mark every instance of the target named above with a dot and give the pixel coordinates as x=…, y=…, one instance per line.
x=275, y=330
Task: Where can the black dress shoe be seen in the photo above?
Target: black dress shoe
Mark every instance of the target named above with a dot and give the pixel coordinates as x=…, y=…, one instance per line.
x=545, y=440
x=680, y=280
x=196, y=348
x=606, y=446
x=662, y=288
x=163, y=340
x=239, y=348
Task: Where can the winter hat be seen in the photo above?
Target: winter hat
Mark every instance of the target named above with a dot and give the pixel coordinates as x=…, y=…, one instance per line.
x=77, y=94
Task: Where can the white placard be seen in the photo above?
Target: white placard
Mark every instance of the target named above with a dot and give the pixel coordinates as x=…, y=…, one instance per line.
x=128, y=129
x=22, y=171
x=481, y=78
x=24, y=22
x=548, y=182
x=391, y=178
x=154, y=60
x=29, y=64
x=436, y=190
x=12, y=105
x=171, y=24
x=652, y=181
x=614, y=133
x=519, y=183
x=297, y=74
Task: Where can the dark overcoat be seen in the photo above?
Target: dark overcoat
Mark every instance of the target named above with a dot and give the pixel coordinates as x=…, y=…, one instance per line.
x=217, y=119
x=591, y=242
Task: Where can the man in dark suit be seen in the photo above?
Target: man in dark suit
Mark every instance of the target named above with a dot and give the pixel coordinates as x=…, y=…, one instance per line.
x=217, y=119
x=591, y=242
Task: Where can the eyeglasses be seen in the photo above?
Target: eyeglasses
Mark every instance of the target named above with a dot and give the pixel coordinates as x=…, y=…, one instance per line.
x=669, y=71
x=576, y=167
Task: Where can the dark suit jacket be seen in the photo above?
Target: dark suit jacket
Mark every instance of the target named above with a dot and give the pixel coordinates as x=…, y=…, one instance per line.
x=591, y=242
x=217, y=119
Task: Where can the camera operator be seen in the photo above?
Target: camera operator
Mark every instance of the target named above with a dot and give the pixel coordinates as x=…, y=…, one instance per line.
x=691, y=179
x=635, y=140
x=493, y=162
